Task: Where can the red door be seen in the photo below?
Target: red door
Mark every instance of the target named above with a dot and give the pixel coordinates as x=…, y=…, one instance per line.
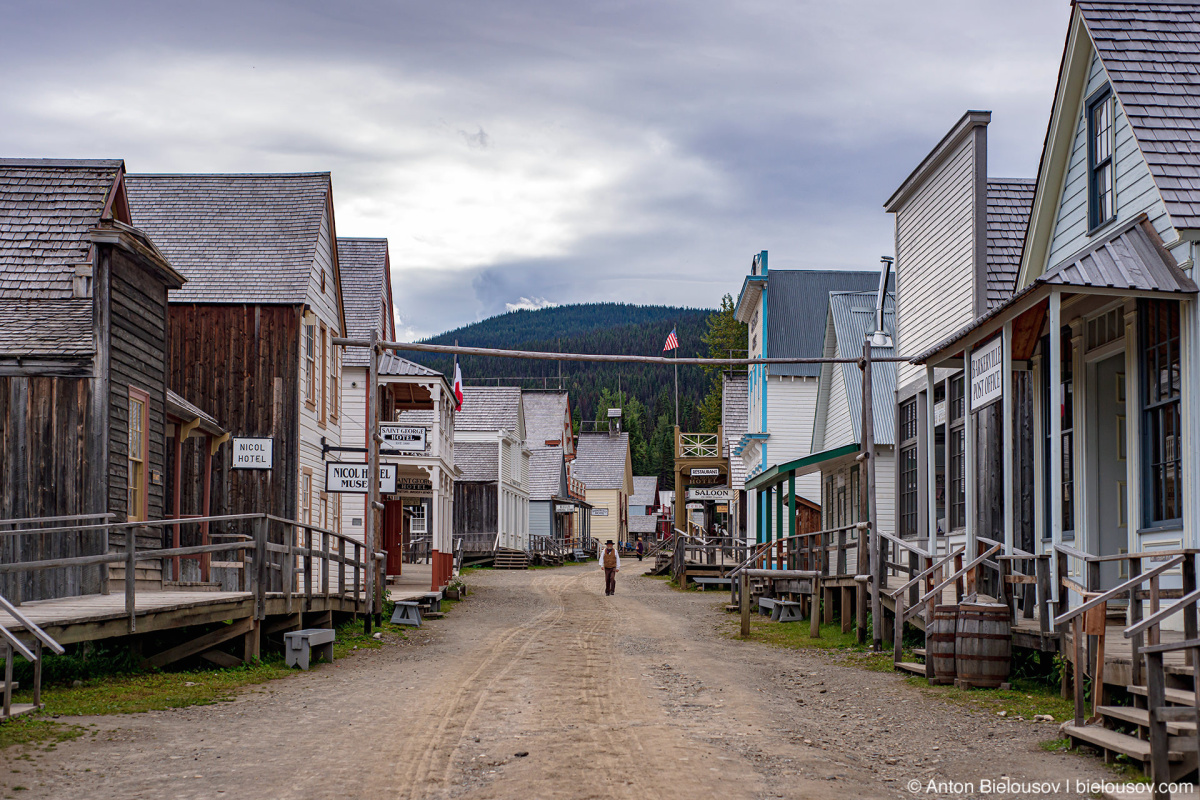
x=393, y=535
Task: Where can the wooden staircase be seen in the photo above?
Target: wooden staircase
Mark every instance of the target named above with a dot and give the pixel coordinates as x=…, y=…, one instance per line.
x=508, y=558
x=11, y=646
x=1125, y=730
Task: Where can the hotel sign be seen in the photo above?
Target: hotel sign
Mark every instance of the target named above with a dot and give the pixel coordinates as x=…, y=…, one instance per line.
x=402, y=438
x=987, y=373
x=253, y=453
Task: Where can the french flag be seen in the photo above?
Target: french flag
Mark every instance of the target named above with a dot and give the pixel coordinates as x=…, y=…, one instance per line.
x=458, y=389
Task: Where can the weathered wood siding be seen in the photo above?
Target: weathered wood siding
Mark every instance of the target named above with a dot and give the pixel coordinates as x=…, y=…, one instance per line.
x=934, y=259
x=45, y=471
x=1135, y=188
x=241, y=364
x=475, y=507
x=137, y=346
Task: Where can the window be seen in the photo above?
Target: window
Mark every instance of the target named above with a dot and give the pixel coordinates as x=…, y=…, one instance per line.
x=1162, y=454
x=1061, y=398
x=306, y=495
x=1101, y=191
x=855, y=495
x=310, y=365
x=908, y=469
x=335, y=382
x=322, y=391
x=829, y=511
x=139, y=404
x=419, y=519
x=958, y=452
x=323, y=509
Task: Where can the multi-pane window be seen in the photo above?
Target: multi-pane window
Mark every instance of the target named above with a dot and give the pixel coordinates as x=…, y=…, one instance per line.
x=1101, y=191
x=908, y=468
x=958, y=454
x=419, y=520
x=138, y=416
x=1161, y=411
x=310, y=364
x=1061, y=400
x=306, y=495
x=830, y=513
x=335, y=382
x=855, y=495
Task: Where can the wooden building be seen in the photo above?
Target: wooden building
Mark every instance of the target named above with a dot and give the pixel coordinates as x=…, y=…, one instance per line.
x=83, y=344
x=734, y=411
x=491, y=497
x=604, y=464
x=786, y=313
x=643, y=508
x=250, y=333
x=556, y=495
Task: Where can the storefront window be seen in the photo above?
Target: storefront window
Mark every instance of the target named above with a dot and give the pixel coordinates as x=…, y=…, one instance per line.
x=958, y=452
x=1061, y=401
x=908, y=469
x=1161, y=374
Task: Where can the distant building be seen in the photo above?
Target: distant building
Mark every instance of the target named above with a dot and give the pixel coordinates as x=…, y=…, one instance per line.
x=555, y=495
x=643, y=507
x=734, y=412
x=606, y=467
x=491, y=496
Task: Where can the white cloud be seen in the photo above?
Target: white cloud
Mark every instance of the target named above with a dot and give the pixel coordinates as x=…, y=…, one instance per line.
x=530, y=304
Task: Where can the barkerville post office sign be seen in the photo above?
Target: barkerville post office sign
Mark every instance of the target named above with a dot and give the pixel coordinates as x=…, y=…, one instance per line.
x=253, y=453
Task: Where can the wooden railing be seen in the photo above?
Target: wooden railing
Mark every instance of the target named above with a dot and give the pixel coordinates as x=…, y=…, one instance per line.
x=31, y=653
x=699, y=445
x=276, y=555
x=546, y=548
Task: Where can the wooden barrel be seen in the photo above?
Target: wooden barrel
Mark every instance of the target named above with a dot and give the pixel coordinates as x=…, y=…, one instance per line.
x=939, y=643
x=983, y=652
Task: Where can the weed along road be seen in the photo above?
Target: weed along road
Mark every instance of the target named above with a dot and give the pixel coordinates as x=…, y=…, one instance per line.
x=538, y=686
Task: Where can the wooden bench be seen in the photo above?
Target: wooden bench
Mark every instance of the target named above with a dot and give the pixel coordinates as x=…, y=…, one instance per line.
x=706, y=582
x=408, y=612
x=786, y=611
x=431, y=602
x=299, y=646
x=766, y=605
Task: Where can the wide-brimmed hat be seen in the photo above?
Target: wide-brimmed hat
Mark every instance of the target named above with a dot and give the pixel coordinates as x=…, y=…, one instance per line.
x=610, y=541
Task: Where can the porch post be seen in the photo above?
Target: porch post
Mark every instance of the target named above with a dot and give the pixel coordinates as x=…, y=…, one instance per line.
x=931, y=543
x=1007, y=442
x=971, y=481
x=792, y=503
x=1055, y=414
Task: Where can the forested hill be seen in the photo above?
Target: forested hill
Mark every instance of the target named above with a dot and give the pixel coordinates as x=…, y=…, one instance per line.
x=616, y=328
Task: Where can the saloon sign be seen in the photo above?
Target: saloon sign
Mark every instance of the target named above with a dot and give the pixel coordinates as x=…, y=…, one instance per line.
x=722, y=495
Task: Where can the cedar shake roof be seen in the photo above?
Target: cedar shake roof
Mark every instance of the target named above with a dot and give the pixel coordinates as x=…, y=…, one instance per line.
x=545, y=417
x=1151, y=52
x=478, y=461
x=645, y=490
x=600, y=460
x=735, y=411
x=59, y=327
x=545, y=473
x=236, y=238
x=643, y=523
x=1008, y=203
x=363, y=264
x=489, y=408
x=47, y=208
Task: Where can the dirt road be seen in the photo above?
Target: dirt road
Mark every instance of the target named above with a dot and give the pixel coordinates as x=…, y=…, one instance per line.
x=541, y=687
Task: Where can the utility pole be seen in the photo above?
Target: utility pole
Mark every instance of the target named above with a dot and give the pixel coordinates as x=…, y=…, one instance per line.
x=868, y=439
x=674, y=328
x=370, y=515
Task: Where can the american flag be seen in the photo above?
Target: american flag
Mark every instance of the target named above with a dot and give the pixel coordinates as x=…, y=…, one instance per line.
x=672, y=341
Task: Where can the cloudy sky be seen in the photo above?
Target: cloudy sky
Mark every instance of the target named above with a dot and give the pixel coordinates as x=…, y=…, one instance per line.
x=528, y=152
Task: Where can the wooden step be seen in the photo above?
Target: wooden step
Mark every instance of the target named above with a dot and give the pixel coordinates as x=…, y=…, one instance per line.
x=1141, y=718
x=919, y=652
x=1177, y=697
x=911, y=666
x=17, y=709
x=1115, y=742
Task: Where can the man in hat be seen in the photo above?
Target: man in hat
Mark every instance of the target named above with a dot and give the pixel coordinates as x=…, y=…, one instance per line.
x=610, y=559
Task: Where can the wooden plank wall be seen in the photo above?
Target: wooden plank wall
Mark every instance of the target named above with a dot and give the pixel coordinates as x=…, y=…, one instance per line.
x=241, y=364
x=475, y=507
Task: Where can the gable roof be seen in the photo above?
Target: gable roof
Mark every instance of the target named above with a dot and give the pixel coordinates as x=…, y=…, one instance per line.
x=645, y=490
x=600, y=460
x=392, y=364
x=545, y=417
x=366, y=294
x=47, y=208
x=489, y=408
x=796, y=307
x=1132, y=258
x=478, y=461
x=853, y=316
x=546, y=471
x=1151, y=52
x=236, y=238
x=1008, y=203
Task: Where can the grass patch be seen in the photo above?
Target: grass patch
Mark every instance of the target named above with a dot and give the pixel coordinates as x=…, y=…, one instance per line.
x=1025, y=700
x=33, y=731
x=1055, y=745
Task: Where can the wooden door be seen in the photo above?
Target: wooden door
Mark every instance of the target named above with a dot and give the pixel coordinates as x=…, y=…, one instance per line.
x=393, y=535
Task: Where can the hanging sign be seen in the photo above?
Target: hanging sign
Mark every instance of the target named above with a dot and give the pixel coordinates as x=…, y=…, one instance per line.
x=413, y=487
x=253, y=453
x=402, y=438
x=695, y=506
x=723, y=509
x=563, y=508
x=987, y=373
x=704, y=472
x=939, y=414
x=724, y=495
x=344, y=478
x=599, y=512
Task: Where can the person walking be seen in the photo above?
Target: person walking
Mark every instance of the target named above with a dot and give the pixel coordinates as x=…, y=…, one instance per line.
x=640, y=549
x=610, y=559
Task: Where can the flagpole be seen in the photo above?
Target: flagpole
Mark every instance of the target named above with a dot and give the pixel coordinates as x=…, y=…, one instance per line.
x=674, y=329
